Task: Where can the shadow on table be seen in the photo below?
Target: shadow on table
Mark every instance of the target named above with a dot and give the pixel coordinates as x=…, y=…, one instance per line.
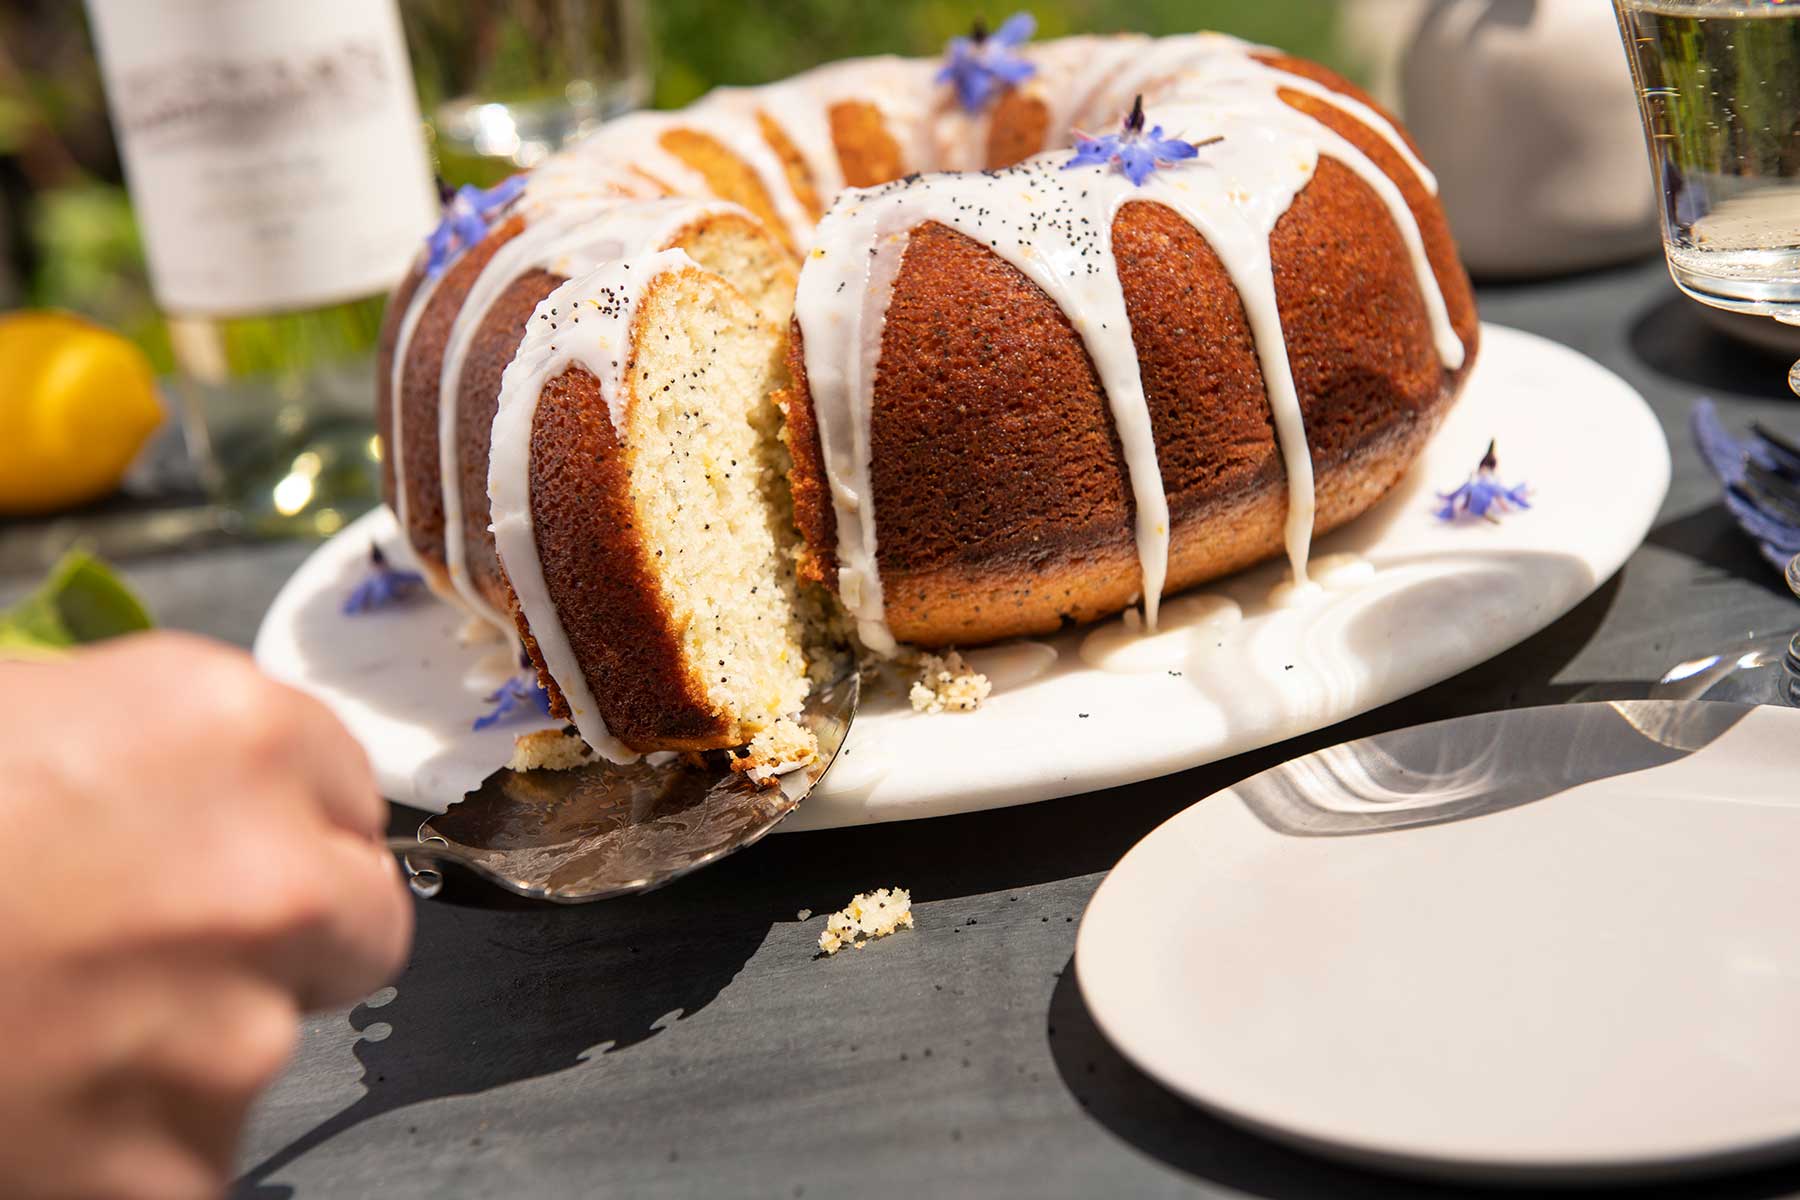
x=1710, y=537
x=1156, y=1122
x=1672, y=338
x=502, y=990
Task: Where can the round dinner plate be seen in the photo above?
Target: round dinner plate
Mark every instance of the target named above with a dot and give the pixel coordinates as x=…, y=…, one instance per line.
x=1552, y=942
x=1409, y=600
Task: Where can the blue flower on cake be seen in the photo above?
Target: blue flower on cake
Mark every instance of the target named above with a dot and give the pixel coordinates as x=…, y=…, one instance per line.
x=1134, y=151
x=468, y=211
x=984, y=64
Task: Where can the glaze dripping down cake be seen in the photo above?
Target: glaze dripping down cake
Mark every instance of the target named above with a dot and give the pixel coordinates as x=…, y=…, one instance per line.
x=841, y=349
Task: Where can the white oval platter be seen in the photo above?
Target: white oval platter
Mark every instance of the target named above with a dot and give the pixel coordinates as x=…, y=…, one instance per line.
x=1412, y=601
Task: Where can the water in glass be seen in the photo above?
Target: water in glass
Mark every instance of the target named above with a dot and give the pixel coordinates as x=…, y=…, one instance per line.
x=1719, y=82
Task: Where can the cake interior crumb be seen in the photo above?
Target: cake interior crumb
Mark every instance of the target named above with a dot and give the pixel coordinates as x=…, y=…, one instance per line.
x=869, y=916
x=784, y=746
x=549, y=750
x=947, y=683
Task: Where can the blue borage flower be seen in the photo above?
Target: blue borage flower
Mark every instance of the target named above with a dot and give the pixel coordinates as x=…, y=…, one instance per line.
x=514, y=696
x=1482, y=494
x=1133, y=151
x=384, y=585
x=1761, y=474
x=467, y=213
x=984, y=64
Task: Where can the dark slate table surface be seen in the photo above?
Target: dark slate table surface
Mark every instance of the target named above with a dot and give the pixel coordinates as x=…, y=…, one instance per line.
x=688, y=1043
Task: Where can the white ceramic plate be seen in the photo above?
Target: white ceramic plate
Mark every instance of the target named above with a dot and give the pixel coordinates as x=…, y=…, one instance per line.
x=1549, y=942
x=1426, y=600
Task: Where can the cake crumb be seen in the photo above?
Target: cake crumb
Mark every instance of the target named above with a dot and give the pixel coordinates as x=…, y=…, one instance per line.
x=869, y=916
x=784, y=746
x=948, y=684
x=549, y=750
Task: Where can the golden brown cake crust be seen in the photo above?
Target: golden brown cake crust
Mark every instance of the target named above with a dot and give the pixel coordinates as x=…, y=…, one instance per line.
x=867, y=152
x=478, y=396
x=729, y=177
x=793, y=165
x=1018, y=130
x=600, y=582
x=419, y=395
x=1001, y=499
x=385, y=347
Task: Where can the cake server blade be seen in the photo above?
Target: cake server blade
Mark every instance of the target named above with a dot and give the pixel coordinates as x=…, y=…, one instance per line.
x=606, y=830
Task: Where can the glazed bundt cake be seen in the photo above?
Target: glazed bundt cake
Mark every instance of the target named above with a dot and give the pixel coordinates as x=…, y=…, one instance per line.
x=1020, y=388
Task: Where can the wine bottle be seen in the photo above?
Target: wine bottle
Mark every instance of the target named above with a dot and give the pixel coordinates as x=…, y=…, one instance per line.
x=279, y=173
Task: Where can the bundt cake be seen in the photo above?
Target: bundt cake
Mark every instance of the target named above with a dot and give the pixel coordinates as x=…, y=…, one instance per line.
x=1020, y=387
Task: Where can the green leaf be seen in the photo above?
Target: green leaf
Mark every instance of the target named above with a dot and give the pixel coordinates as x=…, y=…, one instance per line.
x=81, y=601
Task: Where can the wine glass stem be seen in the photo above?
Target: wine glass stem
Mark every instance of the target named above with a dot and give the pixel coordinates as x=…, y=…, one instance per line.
x=1791, y=662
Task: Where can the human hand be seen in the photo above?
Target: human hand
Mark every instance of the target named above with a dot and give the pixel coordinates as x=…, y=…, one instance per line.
x=191, y=856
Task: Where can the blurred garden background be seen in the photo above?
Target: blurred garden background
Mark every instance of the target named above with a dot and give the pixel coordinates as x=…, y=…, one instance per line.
x=67, y=239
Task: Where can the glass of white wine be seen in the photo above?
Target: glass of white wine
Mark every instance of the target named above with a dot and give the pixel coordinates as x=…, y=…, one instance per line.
x=1719, y=91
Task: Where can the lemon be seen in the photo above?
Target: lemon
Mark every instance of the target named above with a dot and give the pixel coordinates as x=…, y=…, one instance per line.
x=77, y=403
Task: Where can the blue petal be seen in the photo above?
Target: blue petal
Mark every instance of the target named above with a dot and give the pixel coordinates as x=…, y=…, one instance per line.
x=1012, y=70
x=1015, y=30
x=1481, y=495
x=1170, y=149
x=1136, y=161
x=973, y=89
x=1093, y=152
x=962, y=58
x=439, y=245
x=502, y=193
x=512, y=694
x=382, y=587
x=470, y=229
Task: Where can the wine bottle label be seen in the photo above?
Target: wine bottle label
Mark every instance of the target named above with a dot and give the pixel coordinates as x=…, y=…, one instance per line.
x=274, y=149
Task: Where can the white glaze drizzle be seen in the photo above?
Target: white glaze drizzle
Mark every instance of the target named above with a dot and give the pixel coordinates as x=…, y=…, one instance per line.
x=1234, y=198
x=566, y=239
x=587, y=322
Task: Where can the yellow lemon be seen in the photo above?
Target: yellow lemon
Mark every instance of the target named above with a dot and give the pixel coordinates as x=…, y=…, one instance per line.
x=77, y=403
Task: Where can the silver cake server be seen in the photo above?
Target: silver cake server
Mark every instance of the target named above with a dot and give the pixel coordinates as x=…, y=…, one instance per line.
x=604, y=830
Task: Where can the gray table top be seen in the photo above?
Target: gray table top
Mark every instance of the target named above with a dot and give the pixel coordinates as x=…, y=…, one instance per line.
x=688, y=1043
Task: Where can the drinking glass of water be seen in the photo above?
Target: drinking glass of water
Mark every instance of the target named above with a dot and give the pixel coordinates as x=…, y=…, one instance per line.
x=505, y=83
x=1719, y=91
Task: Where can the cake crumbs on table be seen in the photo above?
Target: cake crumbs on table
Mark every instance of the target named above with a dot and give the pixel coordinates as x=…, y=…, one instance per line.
x=868, y=916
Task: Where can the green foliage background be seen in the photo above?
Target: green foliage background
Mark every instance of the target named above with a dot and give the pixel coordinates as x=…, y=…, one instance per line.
x=705, y=42
x=67, y=238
